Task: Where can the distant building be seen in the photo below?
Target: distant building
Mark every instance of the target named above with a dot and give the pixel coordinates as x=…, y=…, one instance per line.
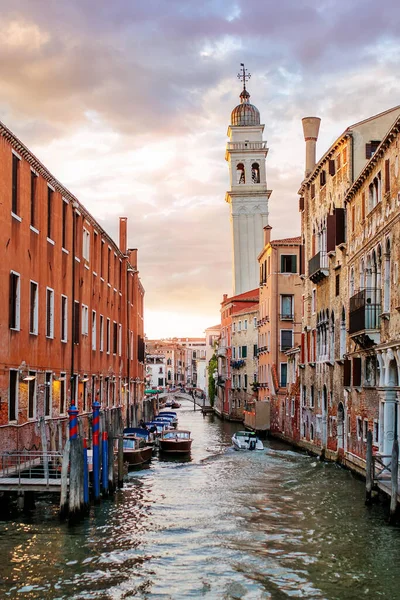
x=212, y=337
x=225, y=402
x=175, y=357
x=279, y=321
x=72, y=326
x=156, y=371
x=244, y=362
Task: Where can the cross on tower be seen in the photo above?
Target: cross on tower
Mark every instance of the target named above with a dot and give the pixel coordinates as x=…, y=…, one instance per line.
x=243, y=75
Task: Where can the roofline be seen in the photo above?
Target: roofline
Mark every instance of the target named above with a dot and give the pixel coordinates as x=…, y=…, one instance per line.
x=20, y=147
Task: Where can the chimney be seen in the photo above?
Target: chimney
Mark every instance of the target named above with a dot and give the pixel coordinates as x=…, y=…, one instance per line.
x=122, y=234
x=224, y=297
x=267, y=235
x=310, y=129
x=132, y=257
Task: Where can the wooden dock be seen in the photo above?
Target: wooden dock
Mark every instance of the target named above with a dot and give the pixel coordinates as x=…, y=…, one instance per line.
x=34, y=484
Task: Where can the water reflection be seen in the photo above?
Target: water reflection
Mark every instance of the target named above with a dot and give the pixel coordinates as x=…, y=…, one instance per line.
x=275, y=524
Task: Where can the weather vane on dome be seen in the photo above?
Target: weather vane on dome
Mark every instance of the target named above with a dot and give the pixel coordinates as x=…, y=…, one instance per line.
x=243, y=75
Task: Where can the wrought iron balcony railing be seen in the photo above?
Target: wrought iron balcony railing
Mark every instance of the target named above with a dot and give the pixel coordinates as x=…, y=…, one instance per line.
x=365, y=311
x=318, y=267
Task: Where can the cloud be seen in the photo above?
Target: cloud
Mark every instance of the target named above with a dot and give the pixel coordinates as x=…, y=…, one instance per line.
x=128, y=104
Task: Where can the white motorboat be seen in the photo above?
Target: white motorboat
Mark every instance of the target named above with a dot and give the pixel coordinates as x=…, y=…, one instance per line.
x=246, y=440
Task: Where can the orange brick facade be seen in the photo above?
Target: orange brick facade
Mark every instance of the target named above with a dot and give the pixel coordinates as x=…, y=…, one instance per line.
x=71, y=328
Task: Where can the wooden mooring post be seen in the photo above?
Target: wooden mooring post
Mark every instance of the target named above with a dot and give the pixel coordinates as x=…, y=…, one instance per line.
x=394, y=481
x=64, y=481
x=369, y=475
x=120, y=430
x=75, y=505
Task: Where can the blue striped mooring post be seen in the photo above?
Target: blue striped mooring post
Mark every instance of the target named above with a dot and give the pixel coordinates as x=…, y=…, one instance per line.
x=85, y=475
x=73, y=422
x=95, y=450
x=104, y=471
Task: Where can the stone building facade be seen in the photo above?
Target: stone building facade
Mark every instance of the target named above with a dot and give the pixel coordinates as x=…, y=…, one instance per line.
x=72, y=326
x=326, y=424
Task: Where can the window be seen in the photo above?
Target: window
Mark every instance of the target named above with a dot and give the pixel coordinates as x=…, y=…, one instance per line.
x=359, y=428
x=312, y=190
x=76, y=322
x=86, y=244
x=33, y=198
x=15, y=185
x=313, y=301
x=95, y=251
x=244, y=351
x=254, y=350
x=292, y=409
x=33, y=308
x=49, y=313
x=64, y=224
x=255, y=322
x=365, y=432
x=312, y=398
x=85, y=320
x=288, y=263
x=63, y=390
x=240, y=326
x=245, y=381
x=304, y=396
x=101, y=333
x=109, y=265
x=14, y=300
x=93, y=330
x=240, y=174
x=102, y=259
x=32, y=395
x=371, y=147
x=245, y=324
x=287, y=307
x=322, y=178
x=255, y=173
x=387, y=175
x=337, y=284
x=49, y=212
x=108, y=336
x=283, y=375
x=48, y=394
x=64, y=318
x=311, y=432
x=115, y=337
x=357, y=372
x=13, y=396
x=286, y=339
x=376, y=432
x=119, y=339
x=233, y=327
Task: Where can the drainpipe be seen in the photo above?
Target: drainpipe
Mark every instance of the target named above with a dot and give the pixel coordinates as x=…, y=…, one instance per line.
x=72, y=378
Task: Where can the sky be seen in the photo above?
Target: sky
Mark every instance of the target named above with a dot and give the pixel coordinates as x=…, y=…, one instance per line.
x=128, y=103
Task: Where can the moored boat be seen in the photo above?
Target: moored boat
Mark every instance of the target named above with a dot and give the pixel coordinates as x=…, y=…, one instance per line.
x=177, y=441
x=136, y=452
x=246, y=440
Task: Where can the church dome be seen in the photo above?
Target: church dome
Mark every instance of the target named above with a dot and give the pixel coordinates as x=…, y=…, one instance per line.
x=245, y=114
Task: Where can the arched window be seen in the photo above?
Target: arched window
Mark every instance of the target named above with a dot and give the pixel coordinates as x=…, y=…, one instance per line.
x=311, y=431
x=362, y=275
x=240, y=175
x=255, y=173
x=386, y=290
x=332, y=338
x=169, y=375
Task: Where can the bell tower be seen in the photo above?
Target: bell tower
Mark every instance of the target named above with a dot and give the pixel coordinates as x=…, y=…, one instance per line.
x=248, y=195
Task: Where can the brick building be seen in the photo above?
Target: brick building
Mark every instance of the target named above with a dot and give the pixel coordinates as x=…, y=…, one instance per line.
x=224, y=403
x=72, y=328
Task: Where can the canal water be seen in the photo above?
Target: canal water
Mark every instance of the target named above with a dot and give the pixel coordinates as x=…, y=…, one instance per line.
x=224, y=525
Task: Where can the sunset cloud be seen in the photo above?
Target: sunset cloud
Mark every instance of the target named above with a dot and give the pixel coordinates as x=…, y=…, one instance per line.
x=128, y=104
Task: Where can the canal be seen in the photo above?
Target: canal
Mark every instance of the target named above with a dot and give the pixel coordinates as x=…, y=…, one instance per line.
x=225, y=525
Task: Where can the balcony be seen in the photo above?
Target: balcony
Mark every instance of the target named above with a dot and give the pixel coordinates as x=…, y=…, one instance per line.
x=221, y=351
x=246, y=146
x=238, y=364
x=365, y=312
x=318, y=267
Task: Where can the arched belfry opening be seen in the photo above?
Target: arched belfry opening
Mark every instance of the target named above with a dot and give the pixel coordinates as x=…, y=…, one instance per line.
x=255, y=173
x=240, y=173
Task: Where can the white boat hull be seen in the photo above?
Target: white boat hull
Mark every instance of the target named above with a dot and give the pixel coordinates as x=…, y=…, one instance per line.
x=247, y=442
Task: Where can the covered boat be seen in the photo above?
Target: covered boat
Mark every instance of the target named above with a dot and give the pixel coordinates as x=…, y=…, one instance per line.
x=176, y=441
x=246, y=440
x=136, y=452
